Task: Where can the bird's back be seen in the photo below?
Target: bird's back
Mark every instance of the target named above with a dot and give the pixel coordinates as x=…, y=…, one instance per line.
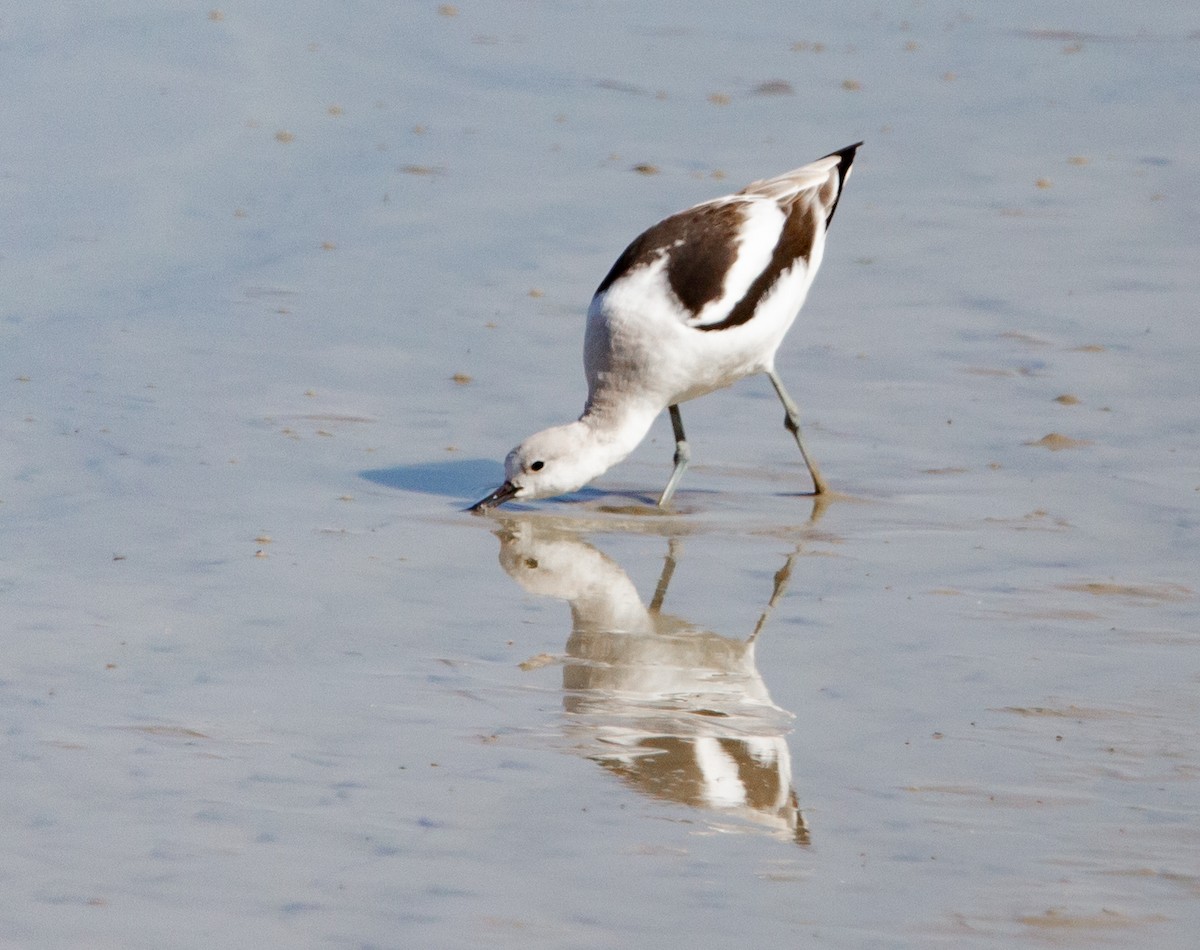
x=705, y=296
x=717, y=260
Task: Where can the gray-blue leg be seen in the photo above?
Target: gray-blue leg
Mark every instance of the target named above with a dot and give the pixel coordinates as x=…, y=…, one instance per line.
x=792, y=423
x=683, y=455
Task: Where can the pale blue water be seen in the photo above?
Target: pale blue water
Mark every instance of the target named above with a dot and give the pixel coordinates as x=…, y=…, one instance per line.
x=264, y=683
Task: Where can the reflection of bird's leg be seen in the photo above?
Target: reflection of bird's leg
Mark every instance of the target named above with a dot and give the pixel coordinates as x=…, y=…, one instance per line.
x=801, y=835
x=664, y=579
x=782, y=576
x=819, y=504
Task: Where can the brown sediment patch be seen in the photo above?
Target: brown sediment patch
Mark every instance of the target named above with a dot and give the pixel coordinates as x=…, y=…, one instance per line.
x=168, y=732
x=1005, y=798
x=1057, y=918
x=1084, y=616
x=1037, y=520
x=1066, y=712
x=1056, y=441
x=774, y=87
x=414, y=169
x=539, y=660
x=1027, y=338
x=1162, y=593
x=1189, y=881
x=988, y=371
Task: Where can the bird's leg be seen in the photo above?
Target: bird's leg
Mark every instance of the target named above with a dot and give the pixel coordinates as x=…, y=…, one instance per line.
x=792, y=424
x=683, y=455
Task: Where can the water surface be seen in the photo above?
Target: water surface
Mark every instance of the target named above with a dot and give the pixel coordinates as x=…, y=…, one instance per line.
x=281, y=285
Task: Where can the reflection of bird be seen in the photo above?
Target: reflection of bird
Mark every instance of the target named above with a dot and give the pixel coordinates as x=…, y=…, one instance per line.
x=700, y=300
x=679, y=712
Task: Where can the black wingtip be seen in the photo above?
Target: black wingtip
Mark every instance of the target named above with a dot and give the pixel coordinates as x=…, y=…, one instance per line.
x=846, y=154
x=845, y=158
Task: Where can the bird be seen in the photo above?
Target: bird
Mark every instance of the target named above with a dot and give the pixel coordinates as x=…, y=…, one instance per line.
x=695, y=303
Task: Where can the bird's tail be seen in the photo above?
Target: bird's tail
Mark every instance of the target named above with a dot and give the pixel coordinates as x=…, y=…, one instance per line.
x=826, y=176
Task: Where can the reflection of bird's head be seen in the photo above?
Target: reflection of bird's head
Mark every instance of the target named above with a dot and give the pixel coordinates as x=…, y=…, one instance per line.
x=551, y=562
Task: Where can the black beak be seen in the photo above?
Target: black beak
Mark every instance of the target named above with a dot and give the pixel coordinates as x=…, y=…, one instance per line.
x=498, y=497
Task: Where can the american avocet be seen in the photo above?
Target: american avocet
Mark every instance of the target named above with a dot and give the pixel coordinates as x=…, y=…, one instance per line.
x=700, y=300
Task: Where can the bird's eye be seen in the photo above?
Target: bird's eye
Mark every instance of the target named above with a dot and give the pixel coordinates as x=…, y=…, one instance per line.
x=537, y=466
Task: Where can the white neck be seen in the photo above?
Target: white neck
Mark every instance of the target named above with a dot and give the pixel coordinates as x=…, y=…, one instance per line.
x=615, y=429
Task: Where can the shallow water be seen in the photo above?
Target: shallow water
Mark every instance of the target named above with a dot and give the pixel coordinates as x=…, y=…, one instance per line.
x=281, y=286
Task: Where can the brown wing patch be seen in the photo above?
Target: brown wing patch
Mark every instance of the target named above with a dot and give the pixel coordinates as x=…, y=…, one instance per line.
x=795, y=242
x=706, y=235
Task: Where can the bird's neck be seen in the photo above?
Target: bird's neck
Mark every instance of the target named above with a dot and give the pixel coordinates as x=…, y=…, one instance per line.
x=616, y=428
